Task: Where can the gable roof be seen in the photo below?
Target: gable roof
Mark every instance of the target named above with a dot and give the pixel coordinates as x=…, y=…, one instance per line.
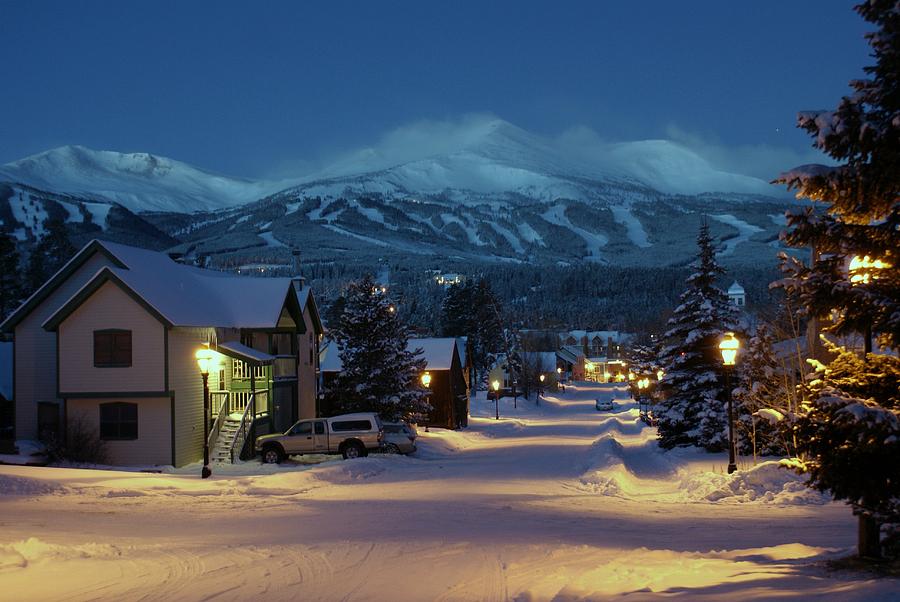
x=182, y=295
x=45, y=290
x=438, y=354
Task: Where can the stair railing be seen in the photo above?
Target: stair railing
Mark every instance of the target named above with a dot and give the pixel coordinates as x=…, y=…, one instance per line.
x=213, y=435
x=245, y=429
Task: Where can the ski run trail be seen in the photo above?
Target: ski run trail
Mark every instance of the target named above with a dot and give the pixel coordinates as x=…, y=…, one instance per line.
x=555, y=501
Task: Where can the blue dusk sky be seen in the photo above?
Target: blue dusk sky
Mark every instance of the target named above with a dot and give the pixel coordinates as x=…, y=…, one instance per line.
x=265, y=89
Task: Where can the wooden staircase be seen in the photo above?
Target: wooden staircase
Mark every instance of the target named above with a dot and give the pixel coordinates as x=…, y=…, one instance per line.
x=221, y=452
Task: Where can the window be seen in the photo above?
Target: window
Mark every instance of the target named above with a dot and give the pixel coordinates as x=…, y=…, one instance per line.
x=112, y=348
x=351, y=425
x=118, y=421
x=302, y=428
x=311, y=347
x=320, y=428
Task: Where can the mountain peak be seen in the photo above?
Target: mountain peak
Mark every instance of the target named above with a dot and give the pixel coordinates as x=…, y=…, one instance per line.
x=139, y=181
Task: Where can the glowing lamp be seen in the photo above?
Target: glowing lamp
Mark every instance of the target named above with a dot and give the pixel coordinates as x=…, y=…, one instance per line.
x=204, y=359
x=542, y=377
x=496, y=385
x=559, y=370
x=859, y=267
x=426, y=379
x=660, y=374
x=729, y=348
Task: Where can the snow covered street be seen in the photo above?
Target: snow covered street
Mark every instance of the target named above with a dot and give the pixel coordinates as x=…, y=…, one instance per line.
x=552, y=502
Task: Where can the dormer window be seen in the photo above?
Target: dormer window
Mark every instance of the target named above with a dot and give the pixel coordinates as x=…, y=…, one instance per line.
x=112, y=348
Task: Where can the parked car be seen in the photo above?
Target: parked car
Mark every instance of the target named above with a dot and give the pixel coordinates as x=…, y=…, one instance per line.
x=604, y=405
x=351, y=435
x=399, y=438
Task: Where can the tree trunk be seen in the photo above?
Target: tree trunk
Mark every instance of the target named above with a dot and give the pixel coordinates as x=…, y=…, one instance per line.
x=869, y=543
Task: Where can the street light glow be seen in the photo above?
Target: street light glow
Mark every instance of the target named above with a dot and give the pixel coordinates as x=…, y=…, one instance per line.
x=426, y=379
x=496, y=385
x=204, y=357
x=729, y=348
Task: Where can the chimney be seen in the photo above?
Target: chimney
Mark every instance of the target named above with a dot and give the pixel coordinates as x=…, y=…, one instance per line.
x=296, y=277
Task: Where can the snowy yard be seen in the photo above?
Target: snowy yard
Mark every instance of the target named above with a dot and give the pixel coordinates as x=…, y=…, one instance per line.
x=551, y=502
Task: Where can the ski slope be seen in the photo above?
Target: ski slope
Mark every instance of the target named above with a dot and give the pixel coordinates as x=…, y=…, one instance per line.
x=552, y=502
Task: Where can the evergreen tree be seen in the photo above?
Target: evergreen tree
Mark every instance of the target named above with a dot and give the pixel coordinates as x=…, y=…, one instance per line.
x=849, y=436
x=761, y=399
x=844, y=433
x=486, y=330
x=49, y=254
x=379, y=374
x=456, y=310
x=692, y=411
x=10, y=277
x=473, y=310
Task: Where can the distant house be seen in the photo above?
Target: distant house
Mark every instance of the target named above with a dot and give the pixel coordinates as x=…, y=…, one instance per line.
x=593, y=343
x=449, y=395
x=736, y=294
x=110, y=341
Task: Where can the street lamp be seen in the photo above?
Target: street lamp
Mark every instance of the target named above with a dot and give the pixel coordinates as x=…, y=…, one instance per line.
x=426, y=381
x=204, y=359
x=729, y=348
x=861, y=272
x=660, y=374
x=496, y=386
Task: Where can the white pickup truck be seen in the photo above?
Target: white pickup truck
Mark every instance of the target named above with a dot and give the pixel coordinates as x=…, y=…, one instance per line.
x=351, y=435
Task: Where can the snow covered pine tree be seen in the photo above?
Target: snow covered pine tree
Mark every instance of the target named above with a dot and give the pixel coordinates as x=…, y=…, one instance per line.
x=692, y=411
x=378, y=373
x=844, y=436
x=761, y=399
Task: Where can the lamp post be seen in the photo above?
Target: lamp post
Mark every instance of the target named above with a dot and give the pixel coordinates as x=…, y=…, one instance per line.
x=729, y=348
x=496, y=386
x=426, y=381
x=204, y=359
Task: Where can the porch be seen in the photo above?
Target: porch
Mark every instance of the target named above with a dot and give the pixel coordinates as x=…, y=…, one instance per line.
x=250, y=395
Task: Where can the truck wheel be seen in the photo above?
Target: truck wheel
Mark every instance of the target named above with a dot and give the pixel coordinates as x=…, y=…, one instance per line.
x=272, y=454
x=390, y=448
x=353, y=450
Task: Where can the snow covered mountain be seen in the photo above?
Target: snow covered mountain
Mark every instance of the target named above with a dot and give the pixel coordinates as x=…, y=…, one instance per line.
x=495, y=157
x=489, y=192
x=138, y=181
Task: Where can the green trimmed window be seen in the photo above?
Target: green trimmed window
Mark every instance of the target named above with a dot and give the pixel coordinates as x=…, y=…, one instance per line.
x=118, y=421
x=112, y=348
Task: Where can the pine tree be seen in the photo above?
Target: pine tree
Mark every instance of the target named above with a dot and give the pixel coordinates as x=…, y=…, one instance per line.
x=10, y=276
x=473, y=310
x=692, y=411
x=379, y=374
x=761, y=399
x=456, y=314
x=861, y=219
x=49, y=255
x=486, y=331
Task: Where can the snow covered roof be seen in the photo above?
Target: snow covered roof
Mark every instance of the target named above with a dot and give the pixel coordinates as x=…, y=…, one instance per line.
x=244, y=353
x=182, y=295
x=735, y=289
x=438, y=354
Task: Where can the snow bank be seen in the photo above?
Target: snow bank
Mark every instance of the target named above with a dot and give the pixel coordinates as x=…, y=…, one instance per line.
x=767, y=482
x=16, y=485
x=29, y=551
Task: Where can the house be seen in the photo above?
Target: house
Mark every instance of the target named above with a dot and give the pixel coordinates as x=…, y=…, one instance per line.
x=593, y=342
x=736, y=294
x=449, y=396
x=109, y=343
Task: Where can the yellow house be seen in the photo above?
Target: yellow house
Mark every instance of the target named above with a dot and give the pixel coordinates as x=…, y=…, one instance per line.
x=109, y=341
